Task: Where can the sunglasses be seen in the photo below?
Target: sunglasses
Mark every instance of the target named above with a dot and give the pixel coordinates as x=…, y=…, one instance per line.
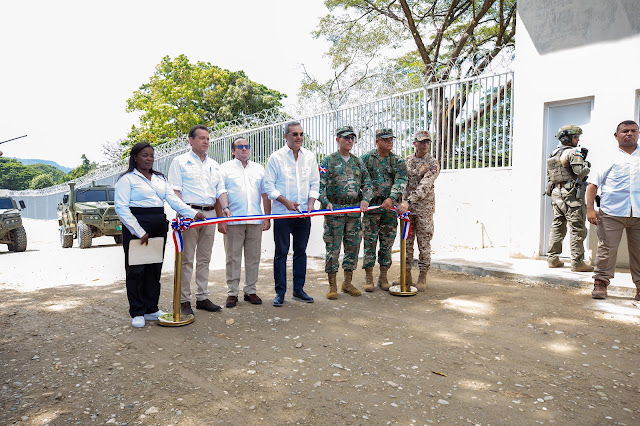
x=424, y=141
x=349, y=137
x=247, y=146
x=297, y=134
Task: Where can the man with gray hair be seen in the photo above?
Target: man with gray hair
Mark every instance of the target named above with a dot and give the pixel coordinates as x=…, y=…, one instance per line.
x=292, y=182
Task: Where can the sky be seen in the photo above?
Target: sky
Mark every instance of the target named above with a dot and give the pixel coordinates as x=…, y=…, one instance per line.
x=68, y=67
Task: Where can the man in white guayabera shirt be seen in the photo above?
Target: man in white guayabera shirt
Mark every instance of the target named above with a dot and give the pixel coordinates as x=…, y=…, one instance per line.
x=195, y=178
x=619, y=182
x=292, y=181
x=243, y=180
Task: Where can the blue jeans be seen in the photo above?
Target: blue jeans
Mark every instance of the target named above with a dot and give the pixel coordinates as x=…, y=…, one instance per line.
x=282, y=229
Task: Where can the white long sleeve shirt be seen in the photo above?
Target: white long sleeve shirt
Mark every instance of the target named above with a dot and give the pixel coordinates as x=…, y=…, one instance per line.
x=296, y=180
x=619, y=184
x=135, y=190
x=244, y=187
x=199, y=182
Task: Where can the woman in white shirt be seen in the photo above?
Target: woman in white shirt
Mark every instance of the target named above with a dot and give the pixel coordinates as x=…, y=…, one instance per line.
x=139, y=202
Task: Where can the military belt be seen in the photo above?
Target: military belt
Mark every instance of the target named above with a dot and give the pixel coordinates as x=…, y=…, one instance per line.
x=345, y=201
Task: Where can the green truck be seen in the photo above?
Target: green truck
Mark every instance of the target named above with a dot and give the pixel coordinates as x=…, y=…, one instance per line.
x=88, y=213
x=12, y=232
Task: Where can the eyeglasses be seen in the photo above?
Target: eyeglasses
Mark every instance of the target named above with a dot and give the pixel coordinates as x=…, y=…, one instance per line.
x=349, y=137
x=247, y=147
x=296, y=134
x=424, y=141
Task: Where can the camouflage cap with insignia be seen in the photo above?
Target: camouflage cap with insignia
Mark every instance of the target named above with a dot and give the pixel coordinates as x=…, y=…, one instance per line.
x=567, y=130
x=345, y=131
x=384, y=133
x=423, y=135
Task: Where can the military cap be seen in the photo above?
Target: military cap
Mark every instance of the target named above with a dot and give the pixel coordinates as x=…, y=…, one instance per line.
x=422, y=135
x=384, y=133
x=567, y=130
x=345, y=131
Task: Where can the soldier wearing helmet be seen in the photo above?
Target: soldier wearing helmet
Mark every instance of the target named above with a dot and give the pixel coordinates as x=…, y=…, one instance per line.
x=567, y=170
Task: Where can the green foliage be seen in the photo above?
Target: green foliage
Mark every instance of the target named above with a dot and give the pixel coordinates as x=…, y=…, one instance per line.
x=56, y=174
x=81, y=170
x=14, y=175
x=41, y=181
x=181, y=94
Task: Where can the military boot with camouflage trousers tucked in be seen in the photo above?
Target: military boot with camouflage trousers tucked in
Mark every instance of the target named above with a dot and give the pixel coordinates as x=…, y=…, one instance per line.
x=421, y=285
x=368, y=285
x=333, y=287
x=347, y=287
x=383, y=283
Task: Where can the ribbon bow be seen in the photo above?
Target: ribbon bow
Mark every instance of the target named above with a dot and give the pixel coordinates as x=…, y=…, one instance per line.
x=181, y=223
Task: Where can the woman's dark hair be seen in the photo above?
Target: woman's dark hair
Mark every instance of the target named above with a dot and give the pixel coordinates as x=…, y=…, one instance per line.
x=132, y=161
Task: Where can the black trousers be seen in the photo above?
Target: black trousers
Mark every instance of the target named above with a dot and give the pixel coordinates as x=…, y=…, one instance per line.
x=143, y=281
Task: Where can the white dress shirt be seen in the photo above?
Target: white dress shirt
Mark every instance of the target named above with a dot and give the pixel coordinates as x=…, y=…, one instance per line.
x=244, y=187
x=198, y=181
x=619, y=184
x=296, y=181
x=135, y=190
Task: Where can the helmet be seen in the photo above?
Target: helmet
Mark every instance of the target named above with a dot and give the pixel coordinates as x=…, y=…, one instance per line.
x=565, y=133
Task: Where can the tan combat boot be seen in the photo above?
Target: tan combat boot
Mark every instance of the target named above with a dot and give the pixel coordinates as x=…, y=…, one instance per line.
x=582, y=267
x=556, y=263
x=599, y=289
x=421, y=285
x=368, y=285
x=347, y=287
x=382, y=279
x=333, y=287
x=408, y=279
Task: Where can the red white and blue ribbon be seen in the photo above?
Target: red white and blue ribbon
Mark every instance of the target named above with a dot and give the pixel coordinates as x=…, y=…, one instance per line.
x=181, y=224
x=406, y=231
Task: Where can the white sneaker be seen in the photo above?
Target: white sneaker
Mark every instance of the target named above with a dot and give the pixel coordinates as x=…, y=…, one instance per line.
x=154, y=316
x=138, y=322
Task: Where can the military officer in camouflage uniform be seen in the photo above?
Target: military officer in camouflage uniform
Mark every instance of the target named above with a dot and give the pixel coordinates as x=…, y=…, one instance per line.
x=567, y=172
x=344, y=182
x=389, y=178
x=419, y=198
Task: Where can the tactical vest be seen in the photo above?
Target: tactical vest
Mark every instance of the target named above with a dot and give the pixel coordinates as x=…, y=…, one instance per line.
x=556, y=172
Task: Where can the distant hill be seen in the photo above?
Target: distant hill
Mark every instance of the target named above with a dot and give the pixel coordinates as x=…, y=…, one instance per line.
x=28, y=161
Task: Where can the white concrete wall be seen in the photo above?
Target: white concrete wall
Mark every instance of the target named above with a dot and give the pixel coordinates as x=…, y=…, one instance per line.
x=567, y=50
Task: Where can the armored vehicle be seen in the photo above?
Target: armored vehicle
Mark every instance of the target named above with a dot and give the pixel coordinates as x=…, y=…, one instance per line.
x=87, y=213
x=12, y=232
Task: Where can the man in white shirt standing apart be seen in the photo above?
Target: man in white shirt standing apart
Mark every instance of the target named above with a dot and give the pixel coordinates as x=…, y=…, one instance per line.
x=292, y=181
x=244, y=180
x=196, y=179
x=619, y=183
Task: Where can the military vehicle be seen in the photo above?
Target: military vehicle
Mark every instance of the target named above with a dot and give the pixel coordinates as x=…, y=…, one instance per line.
x=88, y=213
x=12, y=232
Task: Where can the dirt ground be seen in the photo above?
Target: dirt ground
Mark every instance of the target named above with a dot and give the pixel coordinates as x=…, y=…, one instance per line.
x=468, y=351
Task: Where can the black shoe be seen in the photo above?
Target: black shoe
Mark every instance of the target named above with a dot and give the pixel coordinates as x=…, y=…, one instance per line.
x=253, y=299
x=278, y=300
x=208, y=305
x=185, y=308
x=302, y=297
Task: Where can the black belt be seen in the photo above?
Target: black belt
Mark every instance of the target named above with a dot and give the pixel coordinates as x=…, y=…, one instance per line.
x=203, y=208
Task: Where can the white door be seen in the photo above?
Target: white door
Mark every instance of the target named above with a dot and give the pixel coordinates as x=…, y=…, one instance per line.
x=558, y=114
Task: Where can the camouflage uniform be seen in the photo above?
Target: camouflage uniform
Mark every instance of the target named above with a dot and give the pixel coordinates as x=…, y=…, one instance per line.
x=343, y=184
x=565, y=165
x=422, y=173
x=389, y=179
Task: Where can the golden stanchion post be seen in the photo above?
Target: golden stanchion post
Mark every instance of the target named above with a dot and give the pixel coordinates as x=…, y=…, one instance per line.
x=174, y=319
x=402, y=290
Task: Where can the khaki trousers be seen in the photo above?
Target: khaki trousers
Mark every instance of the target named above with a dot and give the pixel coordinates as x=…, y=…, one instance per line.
x=197, y=243
x=609, y=236
x=237, y=238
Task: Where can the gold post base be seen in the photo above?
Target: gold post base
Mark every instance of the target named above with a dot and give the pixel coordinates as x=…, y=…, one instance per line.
x=167, y=320
x=396, y=290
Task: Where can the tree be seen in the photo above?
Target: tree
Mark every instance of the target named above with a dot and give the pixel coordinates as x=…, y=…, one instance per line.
x=14, y=175
x=41, y=181
x=82, y=169
x=181, y=94
x=450, y=39
x=56, y=174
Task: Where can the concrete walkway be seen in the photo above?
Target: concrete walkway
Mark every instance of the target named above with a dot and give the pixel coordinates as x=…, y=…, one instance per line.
x=496, y=262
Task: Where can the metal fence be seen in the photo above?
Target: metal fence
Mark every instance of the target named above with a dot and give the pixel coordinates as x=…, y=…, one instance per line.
x=470, y=122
